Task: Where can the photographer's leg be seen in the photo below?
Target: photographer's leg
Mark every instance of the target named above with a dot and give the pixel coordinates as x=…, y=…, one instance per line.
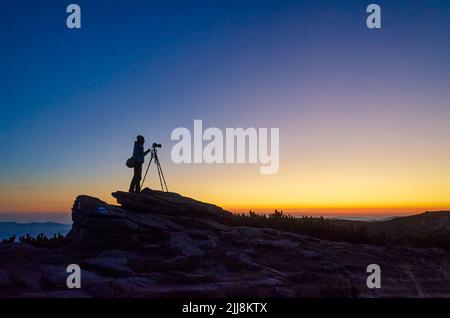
x=135, y=182
x=138, y=173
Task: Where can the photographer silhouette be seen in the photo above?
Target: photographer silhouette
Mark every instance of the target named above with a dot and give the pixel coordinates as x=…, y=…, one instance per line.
x=138, y=160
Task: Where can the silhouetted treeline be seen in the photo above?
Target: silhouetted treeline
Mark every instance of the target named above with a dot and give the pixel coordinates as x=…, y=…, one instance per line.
x=12, y=239
x=317, y=227
x=57, y=240
x=328, y=229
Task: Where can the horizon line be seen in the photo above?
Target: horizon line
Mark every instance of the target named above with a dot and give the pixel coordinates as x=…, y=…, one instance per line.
x=296, y=211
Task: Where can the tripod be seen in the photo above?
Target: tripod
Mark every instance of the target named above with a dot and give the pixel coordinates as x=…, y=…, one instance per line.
x=162, y=180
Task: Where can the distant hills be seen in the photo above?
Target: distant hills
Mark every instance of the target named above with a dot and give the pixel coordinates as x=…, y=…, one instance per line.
x=8, y=229
x=427, y=223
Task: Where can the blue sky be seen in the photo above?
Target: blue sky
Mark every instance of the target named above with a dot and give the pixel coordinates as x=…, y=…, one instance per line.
x=72, y=101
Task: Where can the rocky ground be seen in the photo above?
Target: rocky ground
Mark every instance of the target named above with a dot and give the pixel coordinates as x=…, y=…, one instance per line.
x=157, y=244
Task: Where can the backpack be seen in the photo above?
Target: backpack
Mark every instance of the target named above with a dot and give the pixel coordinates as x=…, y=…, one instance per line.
x=130, y=162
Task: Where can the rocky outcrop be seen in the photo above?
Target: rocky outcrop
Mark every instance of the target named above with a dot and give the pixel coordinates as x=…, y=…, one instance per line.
x=150, y=217
x=157, y=244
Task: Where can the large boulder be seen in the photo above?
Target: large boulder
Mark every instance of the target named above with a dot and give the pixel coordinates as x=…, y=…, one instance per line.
x=159, y=202
x=142, y=218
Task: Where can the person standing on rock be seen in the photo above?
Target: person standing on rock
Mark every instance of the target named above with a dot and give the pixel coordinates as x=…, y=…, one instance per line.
x=139, y=157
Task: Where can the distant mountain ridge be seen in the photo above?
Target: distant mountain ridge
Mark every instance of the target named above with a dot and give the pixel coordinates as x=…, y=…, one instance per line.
x=436, y=222
x=8, y=229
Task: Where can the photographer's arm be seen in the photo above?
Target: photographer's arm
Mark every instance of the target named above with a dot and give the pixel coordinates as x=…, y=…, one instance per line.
x=146, y=152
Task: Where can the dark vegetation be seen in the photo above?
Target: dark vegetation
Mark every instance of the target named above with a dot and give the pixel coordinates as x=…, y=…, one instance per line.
x=12, y=239
x=328, y=229
x=42, y=240
x=321, y=228
x=317, y=227
x=57, y=240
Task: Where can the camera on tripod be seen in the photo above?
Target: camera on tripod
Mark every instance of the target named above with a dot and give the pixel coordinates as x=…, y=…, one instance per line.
x=154, y=157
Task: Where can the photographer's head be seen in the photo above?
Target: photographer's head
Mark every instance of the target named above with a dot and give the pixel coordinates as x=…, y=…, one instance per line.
x=140, y=139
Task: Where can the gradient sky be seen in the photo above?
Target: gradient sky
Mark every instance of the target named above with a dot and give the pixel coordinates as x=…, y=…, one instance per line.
x=364, y=115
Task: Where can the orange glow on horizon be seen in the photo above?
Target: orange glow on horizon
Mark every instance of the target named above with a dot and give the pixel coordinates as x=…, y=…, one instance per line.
x=380, y=180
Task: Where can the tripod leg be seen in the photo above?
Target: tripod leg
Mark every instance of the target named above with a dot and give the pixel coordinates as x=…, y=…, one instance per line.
x=158, y=167
x=161, y=177
x=146, y=171
x=164, y=179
